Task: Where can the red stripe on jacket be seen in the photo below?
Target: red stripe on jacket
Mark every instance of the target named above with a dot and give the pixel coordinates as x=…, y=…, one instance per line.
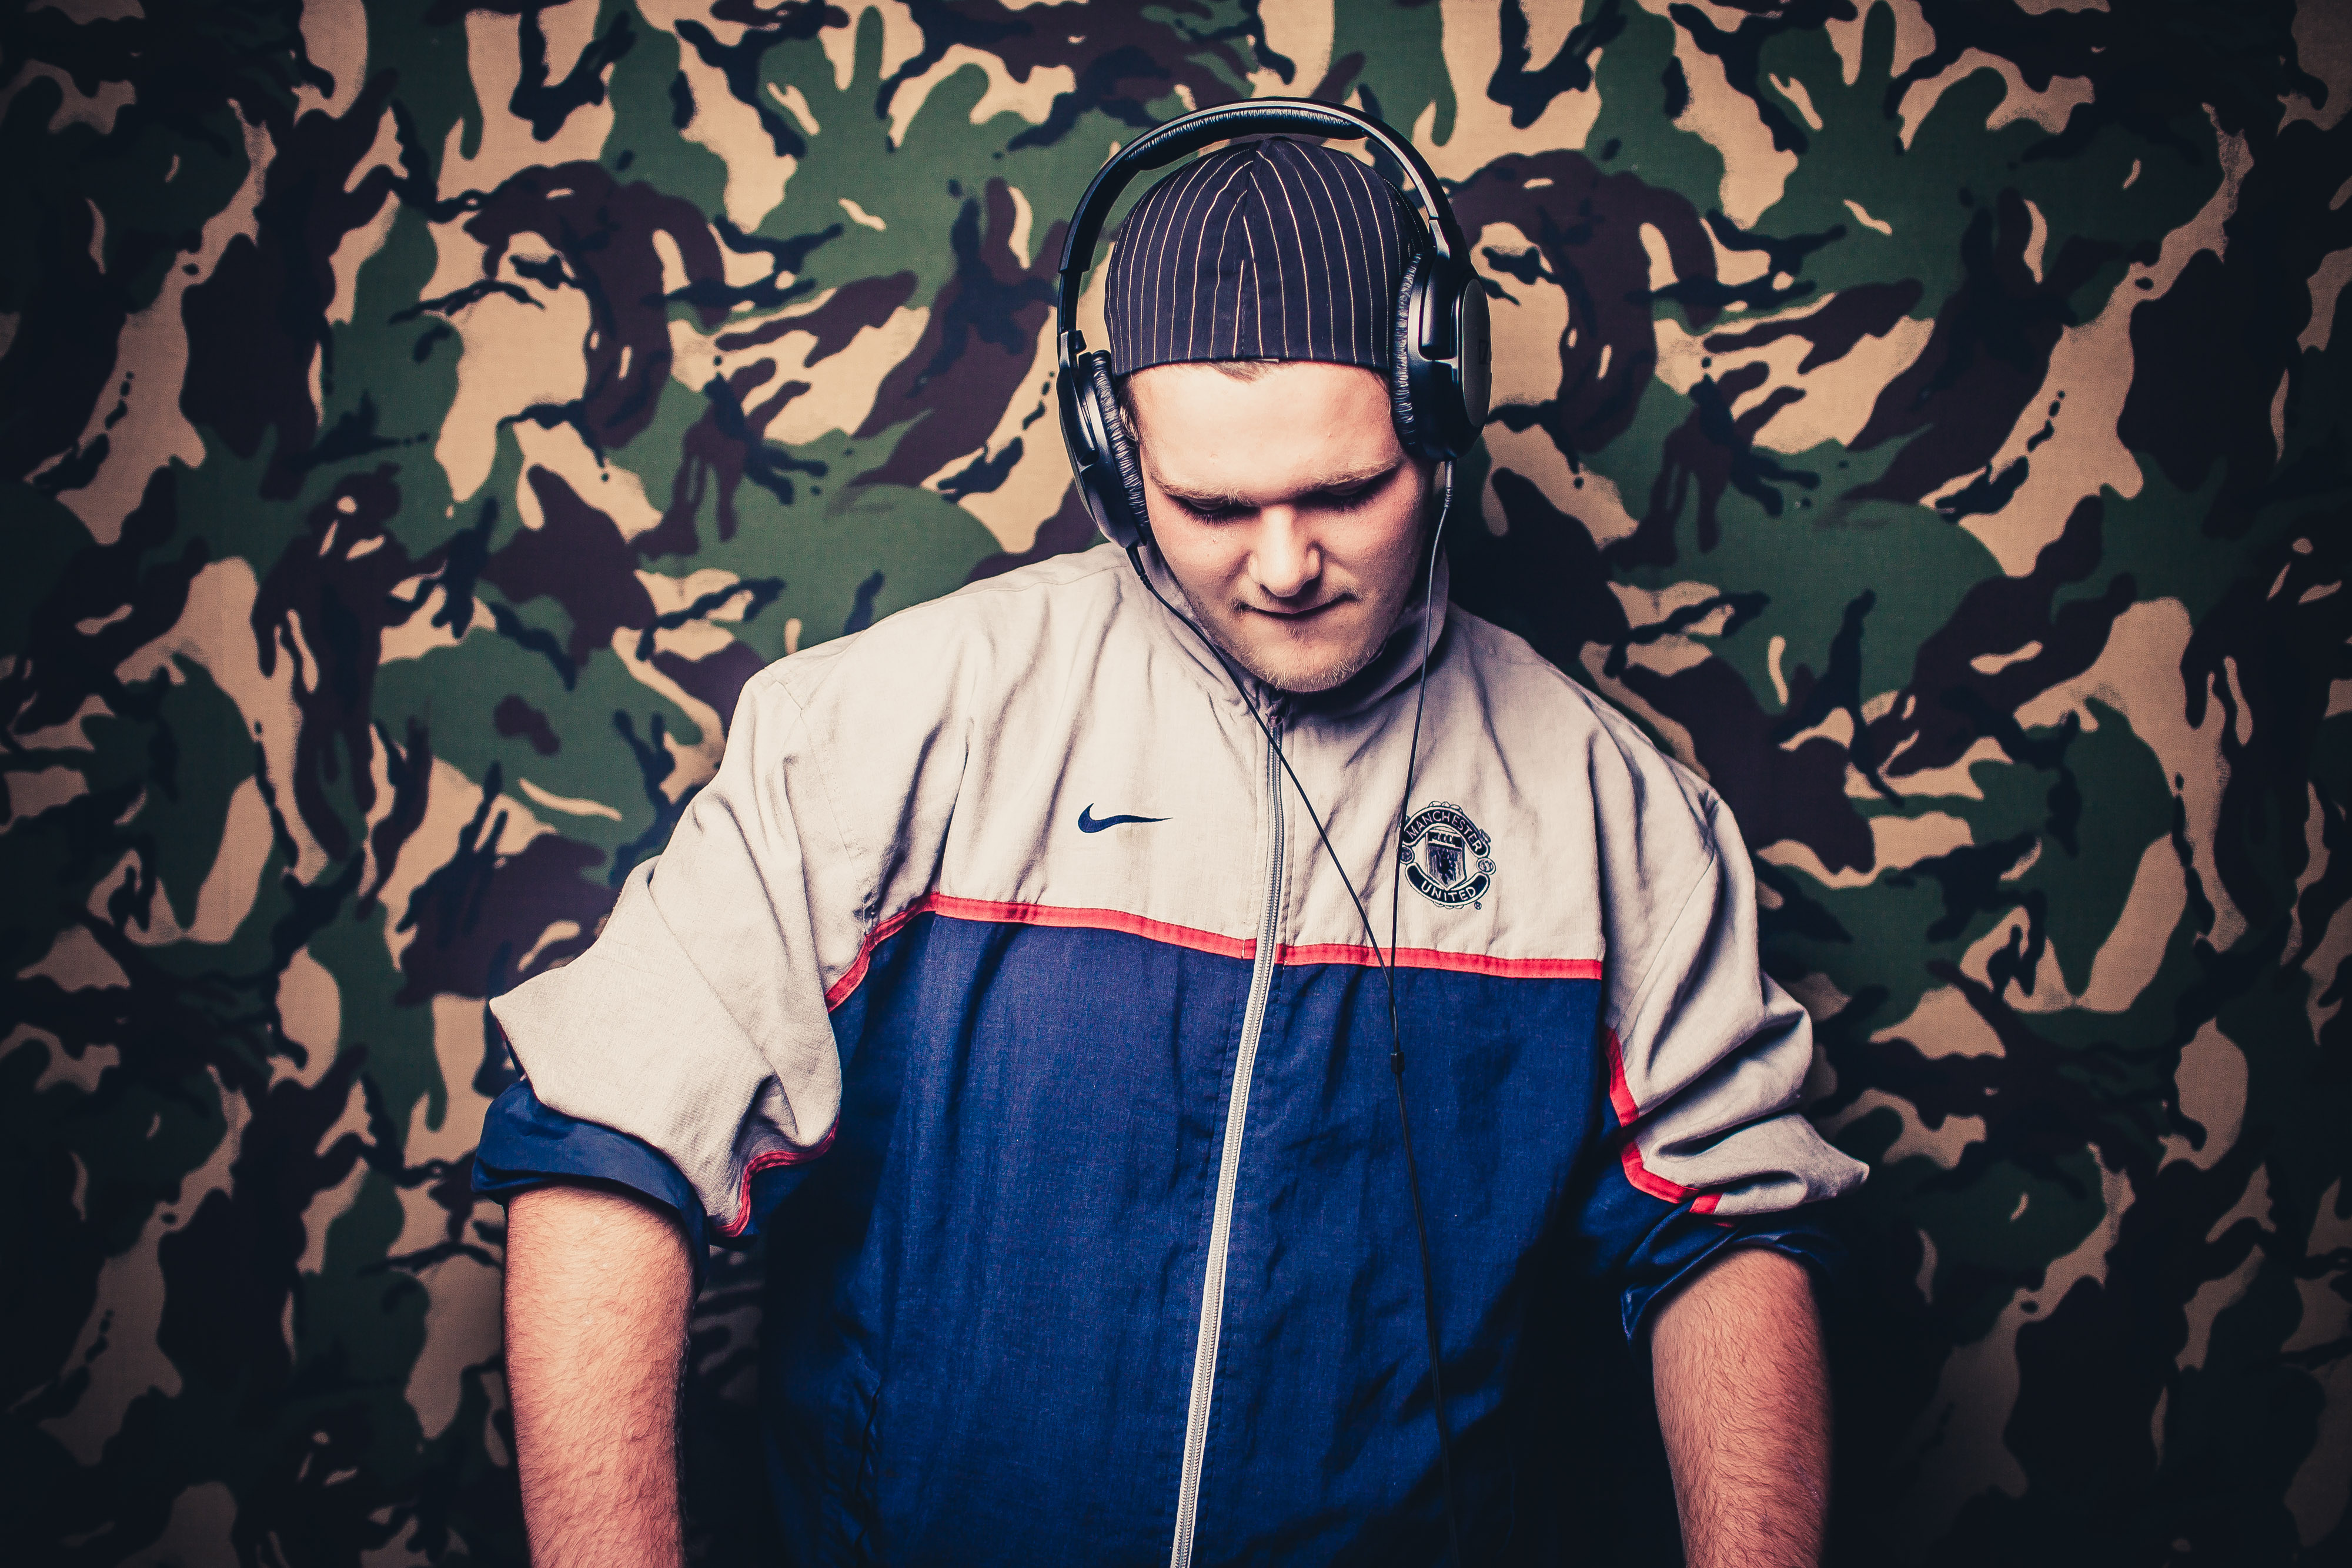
x=769, y=1162
x=1644, y=1179
x=1196, y=940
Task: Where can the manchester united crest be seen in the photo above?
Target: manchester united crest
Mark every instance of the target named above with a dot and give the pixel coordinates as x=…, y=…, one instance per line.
x=1445, y=856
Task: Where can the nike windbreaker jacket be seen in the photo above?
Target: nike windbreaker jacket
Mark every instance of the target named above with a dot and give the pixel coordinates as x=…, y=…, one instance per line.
x=1000, y=980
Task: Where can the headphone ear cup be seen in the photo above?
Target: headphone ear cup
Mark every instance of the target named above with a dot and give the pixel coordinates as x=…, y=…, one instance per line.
x=1404, y=356
x=1473, y=368
x=1441, y=401
x=1127, y=517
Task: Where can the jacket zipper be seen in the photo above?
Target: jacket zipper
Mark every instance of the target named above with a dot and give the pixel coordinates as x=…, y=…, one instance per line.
x=1221, y=1226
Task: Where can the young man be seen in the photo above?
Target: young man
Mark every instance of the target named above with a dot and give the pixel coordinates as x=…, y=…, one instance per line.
x=1003, y=979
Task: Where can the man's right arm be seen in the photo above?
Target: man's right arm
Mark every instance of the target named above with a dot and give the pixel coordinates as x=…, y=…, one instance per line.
x=598, y=1289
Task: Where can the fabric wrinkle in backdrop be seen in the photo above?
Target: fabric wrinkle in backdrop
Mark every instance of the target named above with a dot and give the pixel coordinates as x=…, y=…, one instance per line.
x=1923, y=416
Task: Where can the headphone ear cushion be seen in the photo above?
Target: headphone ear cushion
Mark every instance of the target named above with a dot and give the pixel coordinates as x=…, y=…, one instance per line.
x=1403, y=352
x=1119, y=451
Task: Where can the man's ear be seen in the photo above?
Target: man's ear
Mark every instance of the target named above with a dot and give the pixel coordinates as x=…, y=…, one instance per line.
x=1126, y=396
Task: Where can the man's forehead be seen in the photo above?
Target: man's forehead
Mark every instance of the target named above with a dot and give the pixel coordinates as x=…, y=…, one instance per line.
x=1294, y=427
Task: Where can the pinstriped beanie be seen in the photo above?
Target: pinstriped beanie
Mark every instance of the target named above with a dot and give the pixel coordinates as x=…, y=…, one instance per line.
x=1270, y=249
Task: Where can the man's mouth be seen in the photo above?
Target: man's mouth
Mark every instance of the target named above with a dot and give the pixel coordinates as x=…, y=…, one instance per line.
x=1298, y=616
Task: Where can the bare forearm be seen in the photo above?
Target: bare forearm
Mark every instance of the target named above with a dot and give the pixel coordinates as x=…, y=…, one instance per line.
x=598, y=1288
x=1743, y=1402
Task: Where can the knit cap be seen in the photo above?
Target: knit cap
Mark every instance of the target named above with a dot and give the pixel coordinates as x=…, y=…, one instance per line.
x=1269, y=249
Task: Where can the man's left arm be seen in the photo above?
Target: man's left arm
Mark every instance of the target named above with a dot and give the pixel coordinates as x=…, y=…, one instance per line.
x=1701, y=1212
x=1743, y=1403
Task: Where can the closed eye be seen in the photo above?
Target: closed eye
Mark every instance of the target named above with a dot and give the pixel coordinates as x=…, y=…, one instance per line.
x=1352, y=496
x=1208, y=511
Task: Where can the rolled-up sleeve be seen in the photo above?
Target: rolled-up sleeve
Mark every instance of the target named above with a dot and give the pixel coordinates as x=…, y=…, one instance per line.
x=1706, y=1057
x=696, y=1026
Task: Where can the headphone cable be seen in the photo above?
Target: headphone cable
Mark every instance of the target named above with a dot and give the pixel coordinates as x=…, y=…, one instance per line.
x=1387, y=961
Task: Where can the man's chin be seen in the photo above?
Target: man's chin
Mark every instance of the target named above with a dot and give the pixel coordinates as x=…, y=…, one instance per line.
x=1303, y=672
x=1299, y=665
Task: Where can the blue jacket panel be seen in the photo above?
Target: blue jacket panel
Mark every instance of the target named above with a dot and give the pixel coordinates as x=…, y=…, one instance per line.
x=985, y=1297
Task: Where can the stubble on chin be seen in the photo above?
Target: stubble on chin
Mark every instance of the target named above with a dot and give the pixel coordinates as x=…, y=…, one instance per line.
x=1304, y=676
x=1307, y=680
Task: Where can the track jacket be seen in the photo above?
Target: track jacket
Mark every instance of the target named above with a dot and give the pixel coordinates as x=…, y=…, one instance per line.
x=1000, y=979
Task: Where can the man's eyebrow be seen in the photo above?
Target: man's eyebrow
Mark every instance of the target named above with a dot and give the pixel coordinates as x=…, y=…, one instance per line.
x=1222, y=500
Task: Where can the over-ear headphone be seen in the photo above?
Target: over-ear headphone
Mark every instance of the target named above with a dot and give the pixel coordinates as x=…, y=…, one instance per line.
x=1438, y=376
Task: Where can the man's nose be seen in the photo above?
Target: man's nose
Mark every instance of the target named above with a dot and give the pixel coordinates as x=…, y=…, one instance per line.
x=1286, y=560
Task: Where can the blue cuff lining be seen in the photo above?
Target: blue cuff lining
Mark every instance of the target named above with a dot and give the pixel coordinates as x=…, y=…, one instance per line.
x=1808, y=1243
x=526, y=1145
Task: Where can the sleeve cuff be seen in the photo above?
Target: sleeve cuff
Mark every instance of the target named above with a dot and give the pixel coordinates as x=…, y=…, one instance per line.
x=526, y=1145
x=1808, y=1243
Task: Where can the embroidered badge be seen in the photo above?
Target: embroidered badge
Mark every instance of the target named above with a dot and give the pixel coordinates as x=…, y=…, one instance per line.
x=1445, y=856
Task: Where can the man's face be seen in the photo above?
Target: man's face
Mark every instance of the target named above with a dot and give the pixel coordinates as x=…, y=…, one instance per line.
x=1286, y=510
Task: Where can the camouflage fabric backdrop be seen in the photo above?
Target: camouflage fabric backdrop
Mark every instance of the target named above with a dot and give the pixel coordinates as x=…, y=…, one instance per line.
x=416, y=421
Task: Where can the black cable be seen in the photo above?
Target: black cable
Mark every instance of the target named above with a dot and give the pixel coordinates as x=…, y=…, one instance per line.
x=1387, y=962
x=1396, y=1032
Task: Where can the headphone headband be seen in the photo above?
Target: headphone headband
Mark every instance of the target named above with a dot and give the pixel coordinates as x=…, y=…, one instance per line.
x=1164, y=145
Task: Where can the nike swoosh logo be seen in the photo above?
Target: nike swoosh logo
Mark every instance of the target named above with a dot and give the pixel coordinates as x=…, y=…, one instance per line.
x=1090, y=823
